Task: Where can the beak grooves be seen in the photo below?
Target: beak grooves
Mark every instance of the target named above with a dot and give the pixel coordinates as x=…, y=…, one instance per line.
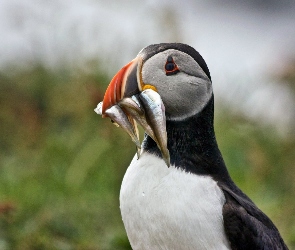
x=113, y=93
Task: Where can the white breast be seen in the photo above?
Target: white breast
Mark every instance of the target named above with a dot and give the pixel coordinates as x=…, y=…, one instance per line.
x=167, y=208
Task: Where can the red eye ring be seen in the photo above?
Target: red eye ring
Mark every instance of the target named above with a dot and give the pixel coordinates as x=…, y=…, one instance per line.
x=170, y=66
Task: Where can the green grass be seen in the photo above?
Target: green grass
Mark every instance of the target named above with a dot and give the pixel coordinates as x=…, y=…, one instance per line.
x=61, y=165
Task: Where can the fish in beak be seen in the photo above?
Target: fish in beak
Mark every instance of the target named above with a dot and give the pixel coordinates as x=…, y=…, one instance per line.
x=128, y=101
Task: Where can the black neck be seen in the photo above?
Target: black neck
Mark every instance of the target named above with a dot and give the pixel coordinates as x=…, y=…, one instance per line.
x=192, y=145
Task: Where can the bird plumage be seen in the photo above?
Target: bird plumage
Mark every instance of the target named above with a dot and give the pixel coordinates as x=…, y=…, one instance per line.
x=194, y=204
x=246, y=227
x=168, y=208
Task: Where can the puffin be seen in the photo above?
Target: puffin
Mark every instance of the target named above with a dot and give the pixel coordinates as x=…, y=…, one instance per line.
x=177, y=192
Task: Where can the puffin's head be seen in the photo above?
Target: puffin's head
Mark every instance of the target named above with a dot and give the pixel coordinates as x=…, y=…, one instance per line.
x=165, y=81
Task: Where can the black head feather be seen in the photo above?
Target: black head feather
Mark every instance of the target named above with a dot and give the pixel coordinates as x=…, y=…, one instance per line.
x=153, y=49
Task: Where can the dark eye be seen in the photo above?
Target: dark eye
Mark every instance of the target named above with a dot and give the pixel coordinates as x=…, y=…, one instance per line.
x=170, y=66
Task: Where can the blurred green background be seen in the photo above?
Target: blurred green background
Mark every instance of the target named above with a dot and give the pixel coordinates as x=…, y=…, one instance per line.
x=61, y=165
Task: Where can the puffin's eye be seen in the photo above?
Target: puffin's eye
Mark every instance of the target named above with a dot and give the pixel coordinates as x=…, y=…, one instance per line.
x=170, y=66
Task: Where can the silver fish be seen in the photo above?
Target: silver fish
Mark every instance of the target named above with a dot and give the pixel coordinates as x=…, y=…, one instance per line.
x=131, y=105
x=146, y=109
x=155, y=117
x=98, y=109
x=128, y=124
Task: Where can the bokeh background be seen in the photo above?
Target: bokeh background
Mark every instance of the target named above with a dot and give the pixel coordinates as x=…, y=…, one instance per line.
x=61, y=165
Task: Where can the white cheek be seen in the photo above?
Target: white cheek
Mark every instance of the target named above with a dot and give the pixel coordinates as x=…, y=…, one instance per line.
x=186, y=100
x=183, y=94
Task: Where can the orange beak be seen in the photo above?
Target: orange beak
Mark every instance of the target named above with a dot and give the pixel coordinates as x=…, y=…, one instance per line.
x=124, y=84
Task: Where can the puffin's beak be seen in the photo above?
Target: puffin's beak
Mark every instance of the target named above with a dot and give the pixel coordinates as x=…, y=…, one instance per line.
x=128, y=101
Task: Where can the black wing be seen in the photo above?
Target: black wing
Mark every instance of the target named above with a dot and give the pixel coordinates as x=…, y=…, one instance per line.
x=245, y=225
